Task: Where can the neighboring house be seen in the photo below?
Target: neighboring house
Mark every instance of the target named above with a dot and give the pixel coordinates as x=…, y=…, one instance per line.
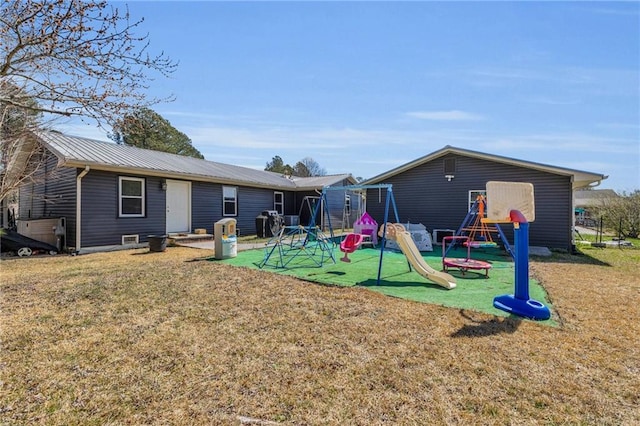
x=587, y=203
x=438, y=190
x=111, y=194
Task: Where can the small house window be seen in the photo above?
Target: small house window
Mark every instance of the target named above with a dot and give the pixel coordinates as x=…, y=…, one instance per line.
x=131, y=197
x=474, y=196
x=229, y=201
x=278, y=202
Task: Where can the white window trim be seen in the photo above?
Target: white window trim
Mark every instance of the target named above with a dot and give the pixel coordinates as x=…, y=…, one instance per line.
x=142, y=196
x=475, y=193
x=275, y=204
x=235, y=202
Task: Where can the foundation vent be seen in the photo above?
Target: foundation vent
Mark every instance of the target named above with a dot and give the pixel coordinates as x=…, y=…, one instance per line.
x=130, y=239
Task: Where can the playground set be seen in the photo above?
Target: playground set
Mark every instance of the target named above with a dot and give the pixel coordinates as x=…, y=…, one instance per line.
x=350, y=244
x=310, y=242
x=479, y=231
x=463, y=264
x=510, y=203
x=398, y=233
x=513, y=202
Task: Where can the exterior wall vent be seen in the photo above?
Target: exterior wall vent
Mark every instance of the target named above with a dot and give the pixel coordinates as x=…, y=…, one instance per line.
x=439, y=234
x=130, y=239
x=449, y=166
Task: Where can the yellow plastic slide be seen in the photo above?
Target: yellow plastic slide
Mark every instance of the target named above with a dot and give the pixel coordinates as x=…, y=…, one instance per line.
x=409, y=249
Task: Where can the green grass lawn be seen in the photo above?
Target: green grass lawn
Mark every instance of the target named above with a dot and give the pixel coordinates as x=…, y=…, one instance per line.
x=583, y=238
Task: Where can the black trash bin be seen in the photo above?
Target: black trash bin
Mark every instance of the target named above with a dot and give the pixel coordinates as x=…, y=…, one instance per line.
x=157, y=242
x=261, y=226
x=268, y=224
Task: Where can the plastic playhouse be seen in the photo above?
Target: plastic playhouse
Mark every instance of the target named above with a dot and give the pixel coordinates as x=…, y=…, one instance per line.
x=366, y=225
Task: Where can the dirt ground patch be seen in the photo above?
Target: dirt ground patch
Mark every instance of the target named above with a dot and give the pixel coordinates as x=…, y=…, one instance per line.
x=163, y=338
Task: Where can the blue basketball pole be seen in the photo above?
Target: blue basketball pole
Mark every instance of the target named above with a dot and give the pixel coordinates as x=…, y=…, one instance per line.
x=520, y=303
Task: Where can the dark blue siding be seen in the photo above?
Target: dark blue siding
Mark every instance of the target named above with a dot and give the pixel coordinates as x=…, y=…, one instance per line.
x=252, y=202
x=290, y=207
x=207, y=205
x=206, y=208
x=61, y=191
x=52, y=194
x=335, y=200
x=100, y=222
x=423, y=195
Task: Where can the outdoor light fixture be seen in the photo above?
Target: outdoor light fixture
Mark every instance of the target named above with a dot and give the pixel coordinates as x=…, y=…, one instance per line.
x=163, y=184
x=449, y=177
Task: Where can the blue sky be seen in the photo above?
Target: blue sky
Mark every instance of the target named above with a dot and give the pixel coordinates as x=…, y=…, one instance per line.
x=363, y=87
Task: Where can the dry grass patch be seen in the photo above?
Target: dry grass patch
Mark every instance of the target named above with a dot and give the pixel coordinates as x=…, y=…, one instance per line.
x=161, y=338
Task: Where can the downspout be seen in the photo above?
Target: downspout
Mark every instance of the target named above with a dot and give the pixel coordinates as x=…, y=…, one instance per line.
x=572, y=215
x=321, y=208
x=79, y=206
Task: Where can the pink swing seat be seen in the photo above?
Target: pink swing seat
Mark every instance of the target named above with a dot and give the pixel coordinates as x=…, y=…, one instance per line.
x=350, y=243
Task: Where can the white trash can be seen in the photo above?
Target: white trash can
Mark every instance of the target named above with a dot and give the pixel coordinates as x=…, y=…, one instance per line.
x=229, y=247
x=224, y=239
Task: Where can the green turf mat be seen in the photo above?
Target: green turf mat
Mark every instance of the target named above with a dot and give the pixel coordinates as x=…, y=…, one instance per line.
x=473, y=290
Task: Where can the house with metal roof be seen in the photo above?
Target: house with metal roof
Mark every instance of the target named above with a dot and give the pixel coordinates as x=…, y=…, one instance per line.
x=111, y=195
x=588, y=202
x=439, y=189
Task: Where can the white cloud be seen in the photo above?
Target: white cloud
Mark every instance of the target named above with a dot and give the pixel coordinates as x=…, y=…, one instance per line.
x=548, y=100
x=633, y=12
x=83, y=130
x=560, y=142
x=453, y=115
x=508, y=73
x=294, y=138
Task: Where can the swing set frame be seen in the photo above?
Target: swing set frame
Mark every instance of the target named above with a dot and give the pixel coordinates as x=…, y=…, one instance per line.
x=310, y=240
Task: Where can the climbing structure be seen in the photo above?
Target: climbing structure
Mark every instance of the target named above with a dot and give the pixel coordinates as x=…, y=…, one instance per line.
x=479, y=232
x=302, y=245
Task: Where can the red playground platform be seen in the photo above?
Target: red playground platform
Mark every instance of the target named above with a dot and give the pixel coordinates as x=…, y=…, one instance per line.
x=463, y=264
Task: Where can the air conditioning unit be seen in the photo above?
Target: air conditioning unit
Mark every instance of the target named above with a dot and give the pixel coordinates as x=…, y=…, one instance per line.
x=130, y=239
x=439, y=234
x=419, y=235
x=49, y=230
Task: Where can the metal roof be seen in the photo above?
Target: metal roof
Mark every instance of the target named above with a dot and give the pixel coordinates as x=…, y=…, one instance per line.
x=581, y=179
x=594, y=197
x=317, y=182
x=74, y=151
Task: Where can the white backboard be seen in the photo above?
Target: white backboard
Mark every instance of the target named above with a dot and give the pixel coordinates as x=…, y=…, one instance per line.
x=502, y=197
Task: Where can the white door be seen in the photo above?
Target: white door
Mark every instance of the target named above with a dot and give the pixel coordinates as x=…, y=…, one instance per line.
x=178, y=206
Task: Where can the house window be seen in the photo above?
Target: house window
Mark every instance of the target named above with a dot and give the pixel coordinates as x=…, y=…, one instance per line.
x=473, y=197
x=131, y=197
x=229, y=201
x=278, y=202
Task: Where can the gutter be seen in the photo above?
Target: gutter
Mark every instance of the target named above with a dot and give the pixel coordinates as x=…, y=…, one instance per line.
x=79, y=206
x=182, y=176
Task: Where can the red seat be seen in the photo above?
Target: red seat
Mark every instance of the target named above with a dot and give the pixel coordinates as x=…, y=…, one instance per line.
x=350, y=243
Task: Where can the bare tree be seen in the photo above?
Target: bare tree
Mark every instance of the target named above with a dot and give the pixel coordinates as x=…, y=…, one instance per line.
x=623, y=214
x=20, y=154
x=71, y=58
x=308, y=167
